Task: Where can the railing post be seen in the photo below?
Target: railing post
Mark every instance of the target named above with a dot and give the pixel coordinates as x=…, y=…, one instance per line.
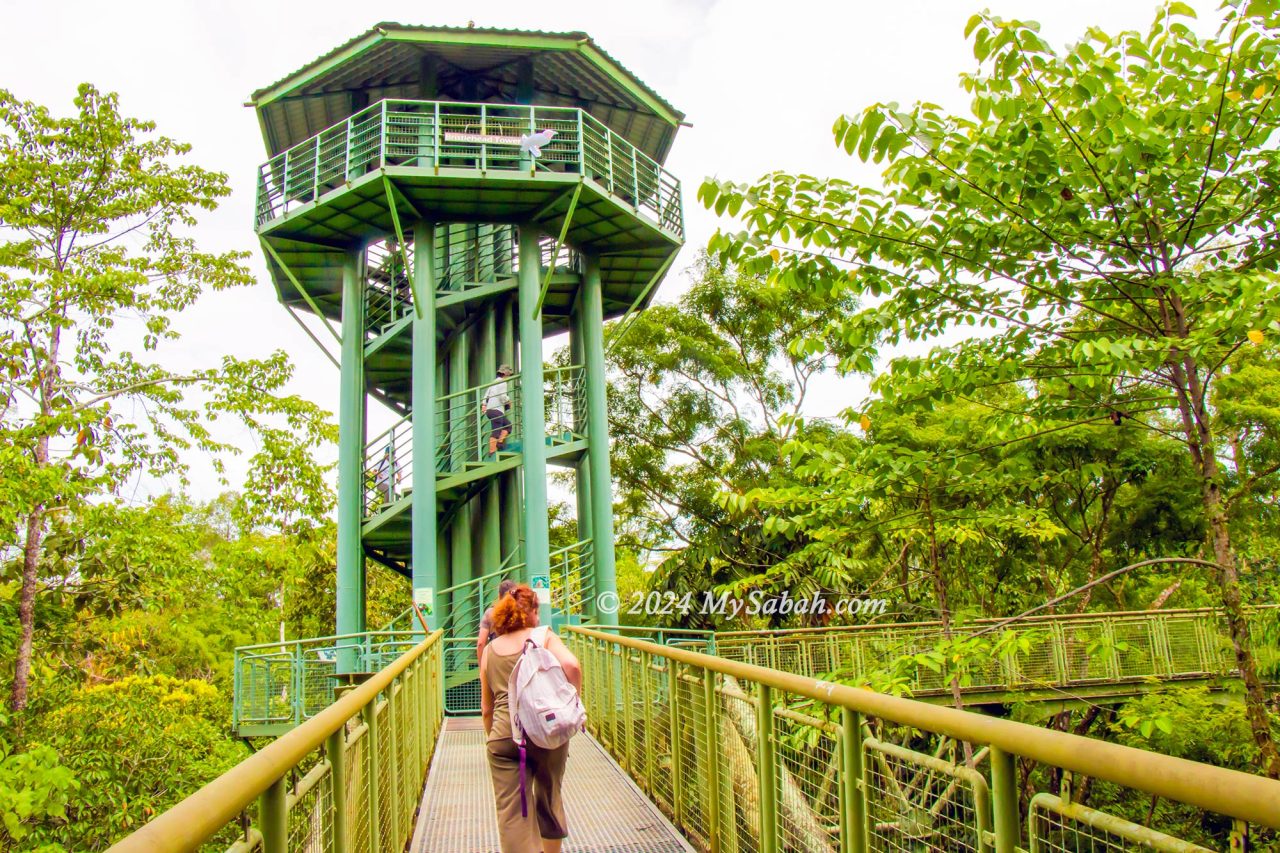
x=676, y=716
x=1004, y=800
x=853, y=815
x=299, y=697
x=767, y=772
x=582, y=147
x=315, y=168
x=635, y=180
x=370, y=715
x=382, y=136
x=346, y=149
x=711, y=714
x=273, y=818
x=336, y=751
x=284, y=194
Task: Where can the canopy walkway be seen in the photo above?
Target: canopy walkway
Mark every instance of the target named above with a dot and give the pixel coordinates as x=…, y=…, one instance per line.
x=729, y=757
x=1067, y=659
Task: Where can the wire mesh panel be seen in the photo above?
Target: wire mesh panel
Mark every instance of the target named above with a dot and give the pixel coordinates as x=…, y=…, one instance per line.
x=461, y=677
x=692, y=759
x=384, y=814
x=806, y=784
x=1058, y=826
x=357, y=799
x=916, y=801
x=740, y=804
x=310, y=822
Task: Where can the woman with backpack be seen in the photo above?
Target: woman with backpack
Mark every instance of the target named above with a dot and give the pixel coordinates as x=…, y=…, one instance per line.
x=526, y=776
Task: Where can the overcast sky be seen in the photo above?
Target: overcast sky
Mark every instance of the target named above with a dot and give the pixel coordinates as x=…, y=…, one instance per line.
x=761, y=83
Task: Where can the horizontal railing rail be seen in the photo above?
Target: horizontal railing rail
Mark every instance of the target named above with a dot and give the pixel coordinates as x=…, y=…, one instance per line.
x=349, y=779
x=477, y=137
x=1052, y=653
x=745, y=758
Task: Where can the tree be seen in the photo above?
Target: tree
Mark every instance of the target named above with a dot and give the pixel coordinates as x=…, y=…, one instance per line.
x=95, y=266
x=1102, y=226
x=706, y=393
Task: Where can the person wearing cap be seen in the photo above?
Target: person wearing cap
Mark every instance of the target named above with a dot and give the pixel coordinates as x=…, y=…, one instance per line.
x=496, y=406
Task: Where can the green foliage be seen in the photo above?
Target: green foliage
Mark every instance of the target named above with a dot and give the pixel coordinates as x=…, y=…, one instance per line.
x=34, y=789
x=705, y=391
x=95, y=267
x=135, y=746
x=1098, y=234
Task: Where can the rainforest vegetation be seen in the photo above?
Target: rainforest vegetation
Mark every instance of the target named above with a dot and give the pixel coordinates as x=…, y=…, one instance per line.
x=1046, y=347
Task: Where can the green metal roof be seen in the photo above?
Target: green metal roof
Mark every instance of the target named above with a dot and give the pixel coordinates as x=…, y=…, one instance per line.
x=474, y=64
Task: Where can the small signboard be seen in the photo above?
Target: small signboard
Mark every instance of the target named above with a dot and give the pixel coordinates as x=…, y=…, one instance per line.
x=542, y=586
x=425, y=598
x=481, y=138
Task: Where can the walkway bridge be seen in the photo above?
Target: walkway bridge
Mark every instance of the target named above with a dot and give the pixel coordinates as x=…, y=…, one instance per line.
x=1068, y=660
x=691, y=751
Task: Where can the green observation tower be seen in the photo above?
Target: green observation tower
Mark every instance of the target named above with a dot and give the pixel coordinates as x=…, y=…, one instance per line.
x=445, y=200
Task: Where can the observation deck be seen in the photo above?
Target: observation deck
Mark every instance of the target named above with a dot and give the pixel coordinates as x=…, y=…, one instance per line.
x=363, y=177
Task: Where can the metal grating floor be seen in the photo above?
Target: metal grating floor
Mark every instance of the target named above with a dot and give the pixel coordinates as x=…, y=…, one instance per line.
x=607, y=813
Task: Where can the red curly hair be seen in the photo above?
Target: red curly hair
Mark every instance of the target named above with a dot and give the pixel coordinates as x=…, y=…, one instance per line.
x=516, y=610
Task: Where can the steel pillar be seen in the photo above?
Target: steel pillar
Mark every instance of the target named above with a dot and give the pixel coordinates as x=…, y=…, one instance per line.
x=533, y=440
x=351, y=438
x=423, y=526
x=601, y=485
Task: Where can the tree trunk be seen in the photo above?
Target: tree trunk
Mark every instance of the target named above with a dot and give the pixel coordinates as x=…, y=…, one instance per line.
x=27, y=608
x=1242, y=644
x=49, y=376
x=794, y=811
x=1193, y=407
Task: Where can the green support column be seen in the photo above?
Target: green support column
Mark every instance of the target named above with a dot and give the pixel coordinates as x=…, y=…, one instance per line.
x=462, y=421
x=582, y=471
x=536, y=535
x=509, y=482
x=491, y=506
x=423, y=526
x=598, y=434
x=351, y=402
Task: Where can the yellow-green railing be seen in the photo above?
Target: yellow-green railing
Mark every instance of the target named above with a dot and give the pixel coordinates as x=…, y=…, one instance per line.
x=745, y=759
x=346, y=781
x=1077, y=653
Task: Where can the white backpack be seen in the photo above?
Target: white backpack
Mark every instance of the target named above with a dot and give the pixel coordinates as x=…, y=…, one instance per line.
x=544, y=706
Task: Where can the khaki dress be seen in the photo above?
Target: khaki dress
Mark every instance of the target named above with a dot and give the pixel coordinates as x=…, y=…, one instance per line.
x=544, y=771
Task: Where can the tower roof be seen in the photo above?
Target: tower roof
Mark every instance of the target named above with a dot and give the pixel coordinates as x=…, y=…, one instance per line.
x=470, y=64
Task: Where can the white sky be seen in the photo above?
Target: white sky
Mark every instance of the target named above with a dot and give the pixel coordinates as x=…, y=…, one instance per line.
x=760, y=81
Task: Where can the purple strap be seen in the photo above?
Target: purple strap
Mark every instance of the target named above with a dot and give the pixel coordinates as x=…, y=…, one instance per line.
x=524, y=803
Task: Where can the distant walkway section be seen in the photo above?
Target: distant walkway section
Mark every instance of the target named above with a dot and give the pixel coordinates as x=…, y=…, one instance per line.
x=607, y=813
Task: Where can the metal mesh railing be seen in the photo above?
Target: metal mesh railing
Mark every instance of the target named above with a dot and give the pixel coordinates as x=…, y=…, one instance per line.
x=1058, y=652
x=279, y=685
x=751, y=760
x=467, y=137
x=355, y=788
x=1059, y=826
